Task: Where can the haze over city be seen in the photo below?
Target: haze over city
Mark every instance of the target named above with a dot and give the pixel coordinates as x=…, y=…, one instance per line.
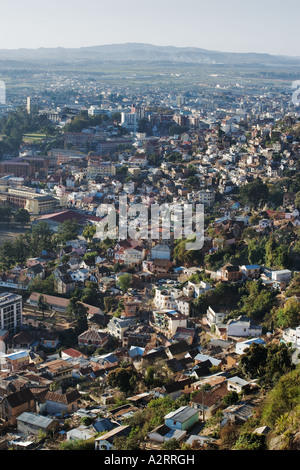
x=232, y=26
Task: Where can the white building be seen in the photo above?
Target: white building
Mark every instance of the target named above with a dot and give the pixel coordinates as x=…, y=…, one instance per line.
x=10, y=311
x=241, y=346
x=292, y=335
x=283, y=275
x=215, y=318
x=161, y=252
x=243, y=327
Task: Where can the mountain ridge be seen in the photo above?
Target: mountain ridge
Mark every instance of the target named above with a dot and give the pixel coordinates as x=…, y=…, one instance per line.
x=146, y=53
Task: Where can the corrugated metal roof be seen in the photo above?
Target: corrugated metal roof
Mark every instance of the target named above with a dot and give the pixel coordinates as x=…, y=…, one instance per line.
x=36, y=420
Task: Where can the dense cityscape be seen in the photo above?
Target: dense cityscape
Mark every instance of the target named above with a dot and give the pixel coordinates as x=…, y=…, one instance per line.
x=136, y=342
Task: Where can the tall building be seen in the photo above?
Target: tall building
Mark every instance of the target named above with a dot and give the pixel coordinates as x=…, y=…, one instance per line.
x=10, y=312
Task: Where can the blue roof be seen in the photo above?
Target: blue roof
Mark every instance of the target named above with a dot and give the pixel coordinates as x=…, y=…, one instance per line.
x=252, y=266
x=17, y=355
x=104, y=425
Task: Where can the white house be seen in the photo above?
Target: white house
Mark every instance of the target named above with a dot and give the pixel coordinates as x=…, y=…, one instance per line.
x=292, y=335
x=236, y=384
x=241, y=346
x=215, y=318
x=81, y=275
x=161, y=252
x=243, y=327
x=282, y=275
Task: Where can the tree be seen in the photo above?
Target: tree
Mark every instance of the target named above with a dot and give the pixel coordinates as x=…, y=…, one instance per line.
x=122, y=379
x=42, y=304
x=5, y=214
x=89, y=231
x=68, y=230
x=124, y=282
x=22, y=216
x=267, y=363
x=289, y=315
x=255, y=193
x=41, y=238
x=284, y=397
x=231, y=398
x=250, y=441
x=78, y=311
x=171, y=444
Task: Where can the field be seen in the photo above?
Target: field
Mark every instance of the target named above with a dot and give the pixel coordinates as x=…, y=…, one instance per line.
x=31, y=138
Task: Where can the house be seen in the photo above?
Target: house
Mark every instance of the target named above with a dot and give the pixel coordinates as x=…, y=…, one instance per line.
x=176, y=388
x=239, y=413
x=58, y=370
x=163, y=434
x=250, y=271
x=71, y=354
x=59, y=304
x=61, y=403
x=117, y=326
x=32, y=423
x=159, y=266
x=241, y=346
x=243, y=327
x=237, y=384
x=282, y=275
x=183, y=305
x=209, y=402
x=229, y=273
x=15, y=404
x=183, y=418
x=49, y=339
x=16, y=360
x=161, y=252
x=81, y=433
x=177, y=350
x=291, y=336
x=167, y=322
x=106, y=441
x=216, y=317
x=104, y=424
x=203, y=358
x=93, y=337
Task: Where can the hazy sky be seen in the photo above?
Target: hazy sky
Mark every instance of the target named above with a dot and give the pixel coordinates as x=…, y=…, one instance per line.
x=226, y=25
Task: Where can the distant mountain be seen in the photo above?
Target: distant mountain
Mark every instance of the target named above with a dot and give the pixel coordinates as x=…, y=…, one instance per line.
x=142, y=52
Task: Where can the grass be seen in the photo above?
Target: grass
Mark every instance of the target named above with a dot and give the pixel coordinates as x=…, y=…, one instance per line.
x=33, y=137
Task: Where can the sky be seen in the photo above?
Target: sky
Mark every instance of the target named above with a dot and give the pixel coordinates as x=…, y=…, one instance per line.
x=267, y=26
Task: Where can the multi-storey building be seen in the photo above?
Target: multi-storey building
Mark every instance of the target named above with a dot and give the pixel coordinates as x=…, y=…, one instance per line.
x=167, y=322
x=10, y=312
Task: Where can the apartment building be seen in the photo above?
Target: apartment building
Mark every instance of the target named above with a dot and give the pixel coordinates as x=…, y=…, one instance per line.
x=10, y=312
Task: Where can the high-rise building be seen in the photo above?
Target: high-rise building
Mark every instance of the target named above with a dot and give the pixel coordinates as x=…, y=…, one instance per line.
x=10, y=312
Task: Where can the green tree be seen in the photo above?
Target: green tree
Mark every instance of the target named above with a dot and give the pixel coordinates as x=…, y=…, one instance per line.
x=231, y=398
x=42, y=304
x=78, y=312
x=89, y=232
x=122, y=379
x=250, y=441
x=41, y=238
x=68, y=230
x=254, y=194
x=124, y=282
x=5, y=214
x=171, y=444
x=289, y=315
x=22, y=216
